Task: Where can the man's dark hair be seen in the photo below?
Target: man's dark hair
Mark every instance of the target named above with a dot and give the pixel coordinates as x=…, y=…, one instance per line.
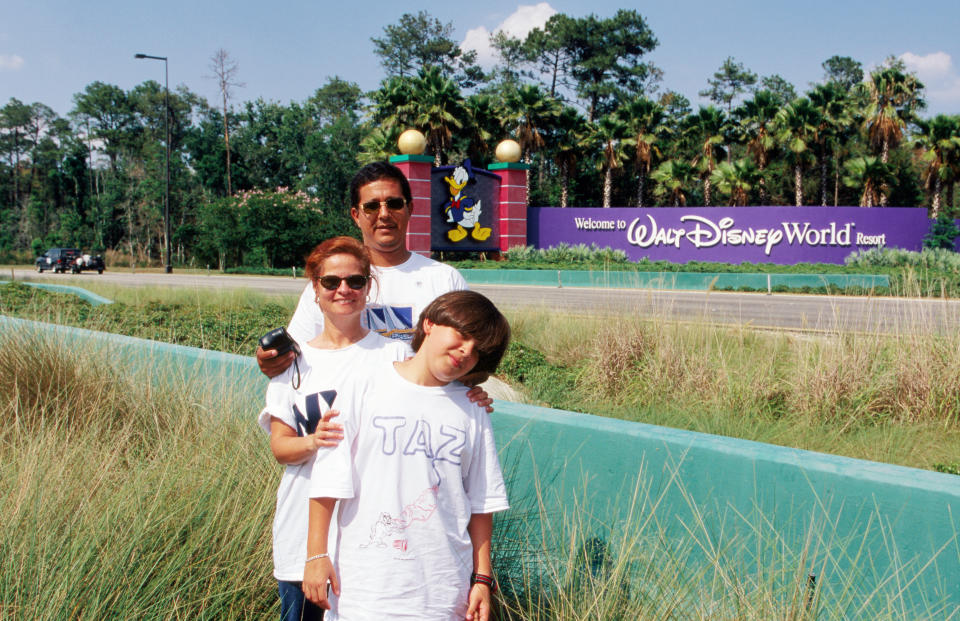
x=376, y=171
x=473, y=315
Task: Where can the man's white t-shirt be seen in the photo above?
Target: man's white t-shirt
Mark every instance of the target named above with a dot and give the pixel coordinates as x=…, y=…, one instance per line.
x=397, y=297
x=415, y=463
x=322, y=372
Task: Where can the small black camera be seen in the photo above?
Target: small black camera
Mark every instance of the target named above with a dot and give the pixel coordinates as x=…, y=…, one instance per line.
x=279, y=340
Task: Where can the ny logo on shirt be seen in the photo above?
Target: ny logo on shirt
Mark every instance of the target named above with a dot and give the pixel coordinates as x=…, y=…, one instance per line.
x=307, y=424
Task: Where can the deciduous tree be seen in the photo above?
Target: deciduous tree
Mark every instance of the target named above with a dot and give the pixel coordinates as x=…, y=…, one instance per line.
x=225, y=71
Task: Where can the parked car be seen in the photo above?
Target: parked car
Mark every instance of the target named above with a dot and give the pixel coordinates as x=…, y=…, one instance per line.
x=57, y=259
x=87, y=262
x=63, y=259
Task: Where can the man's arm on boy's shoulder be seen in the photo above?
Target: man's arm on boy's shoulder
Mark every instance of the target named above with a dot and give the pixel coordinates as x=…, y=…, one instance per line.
x=480, y=529
x=479, y=396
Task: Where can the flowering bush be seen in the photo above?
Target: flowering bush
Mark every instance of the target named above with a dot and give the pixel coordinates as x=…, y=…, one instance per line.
x=262, y=228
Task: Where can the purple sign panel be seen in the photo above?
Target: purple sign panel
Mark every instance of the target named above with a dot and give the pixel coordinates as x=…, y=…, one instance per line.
x=784, y=235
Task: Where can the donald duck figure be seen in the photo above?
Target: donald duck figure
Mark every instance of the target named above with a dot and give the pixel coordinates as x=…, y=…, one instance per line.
x=461, y=209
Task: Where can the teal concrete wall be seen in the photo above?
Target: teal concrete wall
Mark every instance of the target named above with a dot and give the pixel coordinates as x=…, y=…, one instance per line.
x=89, y=296
x=669, y=280
x=870, y=532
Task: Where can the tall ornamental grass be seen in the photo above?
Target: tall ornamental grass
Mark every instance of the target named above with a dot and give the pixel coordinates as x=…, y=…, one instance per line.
x=124, y=499
x=885, y=397
x=124, y=496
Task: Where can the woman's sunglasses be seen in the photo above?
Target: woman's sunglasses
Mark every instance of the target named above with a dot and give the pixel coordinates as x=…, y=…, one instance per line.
x=354, y=281
x=393, y=204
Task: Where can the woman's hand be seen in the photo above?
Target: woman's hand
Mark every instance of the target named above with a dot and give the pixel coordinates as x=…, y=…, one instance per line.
x=478, y=608
x=316, y=575
x=327, y=433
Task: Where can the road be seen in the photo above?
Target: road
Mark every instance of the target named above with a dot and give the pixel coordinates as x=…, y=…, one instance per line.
x=777, y=311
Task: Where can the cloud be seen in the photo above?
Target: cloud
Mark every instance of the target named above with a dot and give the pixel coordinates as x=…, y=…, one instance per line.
x=10, y=62
x=518, y=24
x=940, y=78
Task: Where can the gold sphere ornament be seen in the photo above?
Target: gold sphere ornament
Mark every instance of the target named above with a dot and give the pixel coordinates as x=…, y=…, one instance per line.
x=412, y=142
x=508, y=151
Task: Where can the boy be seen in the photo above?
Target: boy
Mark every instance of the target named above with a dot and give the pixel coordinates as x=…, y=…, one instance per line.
x=417, y=478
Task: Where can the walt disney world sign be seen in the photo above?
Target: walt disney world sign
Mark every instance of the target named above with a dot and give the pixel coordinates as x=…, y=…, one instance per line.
x=783, y=235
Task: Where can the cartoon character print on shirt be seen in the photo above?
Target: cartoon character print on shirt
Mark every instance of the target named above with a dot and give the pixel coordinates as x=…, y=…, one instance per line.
x=419, y=511
x=393, y=322
x=413, y=441
x=307, y=423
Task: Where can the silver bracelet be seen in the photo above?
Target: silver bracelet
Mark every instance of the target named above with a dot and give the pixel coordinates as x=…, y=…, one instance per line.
x=316, y=556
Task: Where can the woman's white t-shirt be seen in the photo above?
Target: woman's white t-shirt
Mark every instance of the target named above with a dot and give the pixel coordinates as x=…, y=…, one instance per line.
x=322, y=372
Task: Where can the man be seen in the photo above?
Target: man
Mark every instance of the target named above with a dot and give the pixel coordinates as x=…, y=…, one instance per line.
x=405, y=282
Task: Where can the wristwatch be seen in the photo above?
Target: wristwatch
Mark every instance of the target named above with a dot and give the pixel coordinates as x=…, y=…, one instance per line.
x=490, y=581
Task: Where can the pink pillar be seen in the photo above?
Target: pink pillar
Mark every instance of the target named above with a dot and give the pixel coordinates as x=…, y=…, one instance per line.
x=417, y=170
x=513, y=203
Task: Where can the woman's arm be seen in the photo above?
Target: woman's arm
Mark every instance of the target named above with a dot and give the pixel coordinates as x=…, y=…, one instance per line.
x=481, y=532
x=318, y=570
x=289, y=448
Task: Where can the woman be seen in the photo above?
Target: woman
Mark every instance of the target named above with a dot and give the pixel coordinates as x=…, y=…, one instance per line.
x=299, y=420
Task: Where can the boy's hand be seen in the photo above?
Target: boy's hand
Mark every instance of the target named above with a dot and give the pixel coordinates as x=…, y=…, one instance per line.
x=479, y=396
x=328, y=433
x=271, y=364
x=478, y=608
x=316, y=575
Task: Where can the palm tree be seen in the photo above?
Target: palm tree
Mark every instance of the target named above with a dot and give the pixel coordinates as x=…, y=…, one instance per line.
x=672, y=177
x=484, y=125
x=439, y=109
x=797, y=125
x=643, y=119
x=872, y=175
x=735, y=180
x=707, y=129
x=568, y=138
x=894, y=98
x=833, y=106
x=609, y=134
x=756, y=122
x=939, y=140
x=532, y=113
x=393, y=103
x=378, y=145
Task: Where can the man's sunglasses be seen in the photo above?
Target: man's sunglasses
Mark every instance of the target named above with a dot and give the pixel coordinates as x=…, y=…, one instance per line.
x=354, y=281
x=393, y=204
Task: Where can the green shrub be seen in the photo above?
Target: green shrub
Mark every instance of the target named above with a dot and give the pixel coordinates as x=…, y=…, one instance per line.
x=953, y=468
x=943, y=233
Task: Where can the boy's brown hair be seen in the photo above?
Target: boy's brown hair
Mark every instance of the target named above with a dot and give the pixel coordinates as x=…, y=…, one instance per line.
x=472, y=315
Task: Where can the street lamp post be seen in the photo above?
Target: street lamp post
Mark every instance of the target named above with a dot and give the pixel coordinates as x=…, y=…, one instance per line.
x=166, y=128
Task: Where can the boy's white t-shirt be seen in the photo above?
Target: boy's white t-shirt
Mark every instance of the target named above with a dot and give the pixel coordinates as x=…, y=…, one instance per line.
x=415, y=463
x=322, y=371
x=397, y=297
